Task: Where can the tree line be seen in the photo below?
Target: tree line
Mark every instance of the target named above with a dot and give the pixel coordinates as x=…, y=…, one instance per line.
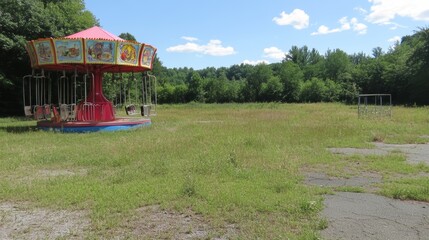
x=304, y=75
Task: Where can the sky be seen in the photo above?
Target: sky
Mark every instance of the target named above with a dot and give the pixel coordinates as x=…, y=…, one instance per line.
x=220, y=33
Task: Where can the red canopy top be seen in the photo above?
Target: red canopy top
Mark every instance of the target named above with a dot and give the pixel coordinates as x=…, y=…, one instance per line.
x=95, y=33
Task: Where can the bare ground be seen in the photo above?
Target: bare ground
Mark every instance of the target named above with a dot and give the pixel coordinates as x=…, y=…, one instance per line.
x=369, y=216
x=20, y=221
x=151, y=222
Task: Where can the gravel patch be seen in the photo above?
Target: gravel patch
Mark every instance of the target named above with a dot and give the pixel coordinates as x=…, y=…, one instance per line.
x=19, y=221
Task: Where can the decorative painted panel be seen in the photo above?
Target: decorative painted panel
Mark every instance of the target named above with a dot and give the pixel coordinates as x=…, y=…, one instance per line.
x=69, y=50
x=31, y=53
x=147, y=56
x=100, y=51
x=44, y=51
x=128, y=53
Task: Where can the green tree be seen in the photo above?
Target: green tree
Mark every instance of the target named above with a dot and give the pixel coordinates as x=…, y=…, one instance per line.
x=313, y=90
x=24, y=20
x=261, y=74
x=272, y=90
x=418, y=63
x=377, y=52
x=216, y=89
x=195, y=87
x=337, y=62
x=292, y=78
x=127, y=36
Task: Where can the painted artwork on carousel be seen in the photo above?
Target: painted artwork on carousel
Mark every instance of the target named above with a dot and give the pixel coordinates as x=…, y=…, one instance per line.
x=147, y=56
x=69, y=51
x=31, y=53
x=99, y=51
x=44, y=51
x=128, y=53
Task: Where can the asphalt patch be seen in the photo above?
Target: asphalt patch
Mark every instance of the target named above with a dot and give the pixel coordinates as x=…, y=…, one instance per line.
x=369, y=216
x=323, y=180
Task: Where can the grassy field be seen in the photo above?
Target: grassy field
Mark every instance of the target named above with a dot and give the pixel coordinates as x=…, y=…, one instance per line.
x=232, y=164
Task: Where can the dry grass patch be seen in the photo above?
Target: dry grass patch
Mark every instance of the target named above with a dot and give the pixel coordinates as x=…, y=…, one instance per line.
x=153, y=222
x=21, y=221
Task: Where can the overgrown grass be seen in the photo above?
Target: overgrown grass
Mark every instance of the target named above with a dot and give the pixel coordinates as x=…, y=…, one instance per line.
x=232, y=163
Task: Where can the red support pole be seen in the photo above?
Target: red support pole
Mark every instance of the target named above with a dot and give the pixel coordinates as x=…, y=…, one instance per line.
x=96, y=107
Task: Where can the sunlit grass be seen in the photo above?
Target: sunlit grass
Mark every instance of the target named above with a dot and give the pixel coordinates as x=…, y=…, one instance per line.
x=232, y=163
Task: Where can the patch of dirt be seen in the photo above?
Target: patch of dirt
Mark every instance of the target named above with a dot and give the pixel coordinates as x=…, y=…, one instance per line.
x=29, y=175
x=365, y=180
x=19, y=221
x=415, y=153
x=209, y=121
x=59, y=172
x=151, y=222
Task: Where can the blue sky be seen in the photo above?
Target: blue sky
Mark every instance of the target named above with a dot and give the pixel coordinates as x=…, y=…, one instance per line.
x=221, y=33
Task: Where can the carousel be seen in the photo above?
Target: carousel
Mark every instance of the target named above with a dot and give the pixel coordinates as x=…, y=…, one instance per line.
x=65, y=90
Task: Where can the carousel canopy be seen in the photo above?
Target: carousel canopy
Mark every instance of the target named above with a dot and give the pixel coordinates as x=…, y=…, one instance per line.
x=93, y=49
x=95, y=33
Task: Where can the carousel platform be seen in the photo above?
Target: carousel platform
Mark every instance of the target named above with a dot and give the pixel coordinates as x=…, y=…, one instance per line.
x=92, y=126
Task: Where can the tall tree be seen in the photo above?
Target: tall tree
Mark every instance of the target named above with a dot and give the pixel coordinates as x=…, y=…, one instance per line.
x=336, y=63
x=24, y=20
x=127, y=36
x=419, y=64
x=195, y=87
x=377, y=52
x=260, y=74
x=292, y=78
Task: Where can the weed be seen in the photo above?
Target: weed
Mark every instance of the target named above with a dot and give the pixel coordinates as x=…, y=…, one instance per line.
x=229, y=162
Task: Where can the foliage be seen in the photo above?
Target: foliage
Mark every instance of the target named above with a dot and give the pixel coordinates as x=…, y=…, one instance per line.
x=314, y=90
x=24, y=20
x=127, y=36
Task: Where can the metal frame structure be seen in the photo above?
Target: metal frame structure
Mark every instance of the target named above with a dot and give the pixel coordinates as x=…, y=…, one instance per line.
x=374, y=105
x=149, y=95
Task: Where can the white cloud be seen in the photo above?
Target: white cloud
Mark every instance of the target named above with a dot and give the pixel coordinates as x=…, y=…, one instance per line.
x=215, y=48
x=257, y=62
x=212, y=48
x=345, y=24
x=394, y=39
x=361, y=10
x=275, y=53
x=353, y=24
x=322, y=30
x=297, y=18
x=358, y=27
x=385, y=11
x=190, y=39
